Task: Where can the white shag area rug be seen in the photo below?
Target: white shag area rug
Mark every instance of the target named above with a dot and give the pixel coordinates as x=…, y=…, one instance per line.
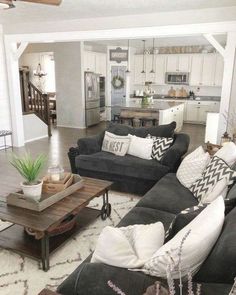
x=23, y=276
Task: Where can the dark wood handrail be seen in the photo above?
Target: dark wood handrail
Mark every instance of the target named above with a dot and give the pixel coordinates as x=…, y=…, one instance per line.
x=38, y=102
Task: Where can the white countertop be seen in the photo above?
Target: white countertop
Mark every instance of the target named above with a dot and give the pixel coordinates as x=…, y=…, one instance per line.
x=156, y=105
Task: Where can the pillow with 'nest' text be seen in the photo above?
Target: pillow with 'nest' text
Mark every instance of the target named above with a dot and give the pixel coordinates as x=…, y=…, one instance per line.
x=115, y=144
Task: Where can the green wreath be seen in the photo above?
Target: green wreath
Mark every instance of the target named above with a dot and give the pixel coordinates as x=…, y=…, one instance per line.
x=118, y=82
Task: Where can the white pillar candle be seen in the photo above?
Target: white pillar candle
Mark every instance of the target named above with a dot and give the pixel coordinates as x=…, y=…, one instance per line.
x=55, y=177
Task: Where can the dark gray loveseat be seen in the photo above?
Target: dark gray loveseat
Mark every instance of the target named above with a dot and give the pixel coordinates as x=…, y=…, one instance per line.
x=129, y=174
x=162, y=203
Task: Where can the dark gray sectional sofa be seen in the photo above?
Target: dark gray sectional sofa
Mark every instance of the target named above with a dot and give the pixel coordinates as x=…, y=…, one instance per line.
x=164, y=197
x=162, y=203
x=129, y=174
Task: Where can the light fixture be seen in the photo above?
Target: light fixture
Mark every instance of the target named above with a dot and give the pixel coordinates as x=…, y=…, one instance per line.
x=144, y=49
x=6, y=4
x=39, y=72
x=153, y=49
x=127, y=72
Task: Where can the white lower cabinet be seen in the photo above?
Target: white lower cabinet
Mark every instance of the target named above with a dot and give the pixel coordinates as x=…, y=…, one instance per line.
x=196, y=111
x=173, y=114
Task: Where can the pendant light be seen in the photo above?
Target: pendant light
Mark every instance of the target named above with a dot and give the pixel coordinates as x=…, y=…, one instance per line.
x=143, y=71
x=127, y=72
x=153, y=48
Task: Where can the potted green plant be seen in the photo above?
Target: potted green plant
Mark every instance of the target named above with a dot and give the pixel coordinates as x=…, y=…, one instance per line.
x=29, y=169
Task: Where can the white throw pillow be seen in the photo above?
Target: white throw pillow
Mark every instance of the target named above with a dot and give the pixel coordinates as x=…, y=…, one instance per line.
x=227, y=153
x=219, y=189
x=130, y=246
x=115, y=144
x=140, y=147
x=204, y=232
x=192, y=167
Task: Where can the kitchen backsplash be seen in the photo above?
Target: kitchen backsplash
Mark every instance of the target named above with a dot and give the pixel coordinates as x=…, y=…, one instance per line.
x=201, y=91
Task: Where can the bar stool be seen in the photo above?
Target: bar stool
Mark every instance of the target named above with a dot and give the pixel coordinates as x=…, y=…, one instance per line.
x=4, y=134
x=143, y=121
x=116, y=118
x=123, y=119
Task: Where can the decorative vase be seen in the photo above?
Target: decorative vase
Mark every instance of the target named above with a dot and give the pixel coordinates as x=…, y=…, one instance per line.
x=33, y=191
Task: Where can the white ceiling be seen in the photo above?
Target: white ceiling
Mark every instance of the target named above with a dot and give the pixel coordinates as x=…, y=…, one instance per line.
x=77, y=9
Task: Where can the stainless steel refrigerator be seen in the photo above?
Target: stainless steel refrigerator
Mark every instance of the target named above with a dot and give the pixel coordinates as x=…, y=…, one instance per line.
x=92, y=99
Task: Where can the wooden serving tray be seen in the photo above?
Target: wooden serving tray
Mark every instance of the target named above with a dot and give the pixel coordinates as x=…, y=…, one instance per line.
x=47, y=199
x=56, y=187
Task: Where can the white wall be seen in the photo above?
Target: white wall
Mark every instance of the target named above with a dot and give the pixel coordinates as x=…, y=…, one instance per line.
x=70, y=100
x=69, y=91
x=32, y=60
x=5, y=120
x=34, y=128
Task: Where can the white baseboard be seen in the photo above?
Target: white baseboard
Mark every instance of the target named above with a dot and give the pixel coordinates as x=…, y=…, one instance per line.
x=36, y=138
x=74, y=127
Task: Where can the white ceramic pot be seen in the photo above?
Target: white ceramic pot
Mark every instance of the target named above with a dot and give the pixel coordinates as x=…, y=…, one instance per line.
x=32, y=191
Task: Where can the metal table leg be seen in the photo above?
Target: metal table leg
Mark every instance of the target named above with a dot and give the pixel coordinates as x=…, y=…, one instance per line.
x=106, y=208
x=45, y=252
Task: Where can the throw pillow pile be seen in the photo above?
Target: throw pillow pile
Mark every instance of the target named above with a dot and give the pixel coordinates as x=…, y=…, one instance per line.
x=147, y=148
x=207, y=178
x=140, y=247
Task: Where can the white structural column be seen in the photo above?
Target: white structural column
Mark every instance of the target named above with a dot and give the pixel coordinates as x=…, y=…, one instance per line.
x=14, y=93
x=229, y=58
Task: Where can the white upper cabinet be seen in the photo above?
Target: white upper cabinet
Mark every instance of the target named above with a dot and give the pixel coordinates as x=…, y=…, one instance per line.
x=178, y=63
x=205, y=69
x=139, y=78
x=219, y=70
x=89, y=61
x=208, y=69
x=196, y=70
x=184, y=63
x=160, y=69
x=172, y=63
x=101, y=63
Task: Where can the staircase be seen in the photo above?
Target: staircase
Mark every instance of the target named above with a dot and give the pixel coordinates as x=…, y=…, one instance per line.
x=34, y=101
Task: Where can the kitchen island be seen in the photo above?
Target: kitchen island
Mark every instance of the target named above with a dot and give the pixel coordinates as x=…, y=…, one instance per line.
x=163, y=111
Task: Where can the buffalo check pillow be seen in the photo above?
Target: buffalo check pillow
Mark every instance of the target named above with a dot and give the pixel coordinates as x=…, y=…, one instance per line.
x=215, y=171
x=160, y=146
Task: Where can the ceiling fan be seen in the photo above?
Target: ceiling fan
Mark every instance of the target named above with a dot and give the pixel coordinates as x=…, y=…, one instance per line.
x=6, y=4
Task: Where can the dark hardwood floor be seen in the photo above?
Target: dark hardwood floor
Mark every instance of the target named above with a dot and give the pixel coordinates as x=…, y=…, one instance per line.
x=57, y=146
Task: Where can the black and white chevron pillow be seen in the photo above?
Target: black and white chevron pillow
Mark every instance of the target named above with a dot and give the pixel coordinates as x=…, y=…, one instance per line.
x=216, y=170
x=160, y=146
x=182, y=219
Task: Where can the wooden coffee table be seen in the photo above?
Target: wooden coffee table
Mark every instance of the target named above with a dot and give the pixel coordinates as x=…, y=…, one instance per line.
x=42, y=223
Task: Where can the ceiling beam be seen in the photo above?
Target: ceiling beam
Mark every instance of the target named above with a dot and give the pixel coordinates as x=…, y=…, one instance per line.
x=210, y=38
x=21, y=48
x=126, y=33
